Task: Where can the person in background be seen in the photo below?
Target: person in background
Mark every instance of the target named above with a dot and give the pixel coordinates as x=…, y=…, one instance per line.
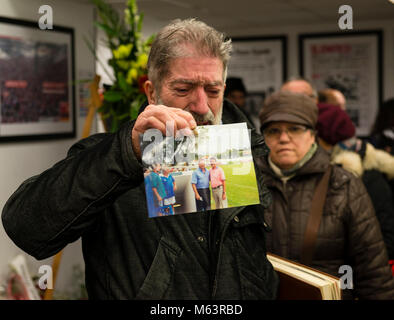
x=349, y=232
x=170, y=187
x=335, y=129
x=236, y=92
x=159, y=192
x=218, y=184
x=382, y=134
x=150, y=201
x=200, y=185
x=300, y=85
x=333, y=97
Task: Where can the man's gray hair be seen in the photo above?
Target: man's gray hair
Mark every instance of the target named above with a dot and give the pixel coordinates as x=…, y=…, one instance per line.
x=181, y=38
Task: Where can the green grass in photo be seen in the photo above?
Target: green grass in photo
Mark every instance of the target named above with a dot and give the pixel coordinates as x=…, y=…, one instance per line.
x=241, y=189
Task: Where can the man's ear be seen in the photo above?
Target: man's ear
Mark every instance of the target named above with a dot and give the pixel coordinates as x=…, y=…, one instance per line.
x=150, y=92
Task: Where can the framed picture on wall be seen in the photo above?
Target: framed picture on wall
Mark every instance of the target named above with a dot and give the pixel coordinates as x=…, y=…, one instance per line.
x=37, y=94
x=261, y=63
x=350, y=62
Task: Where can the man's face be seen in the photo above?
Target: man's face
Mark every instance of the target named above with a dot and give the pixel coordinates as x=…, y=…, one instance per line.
x=237, y=97
x=287, y=149
x=213, y=163
x=299, y=86
x=195, y=84
x=201, y=164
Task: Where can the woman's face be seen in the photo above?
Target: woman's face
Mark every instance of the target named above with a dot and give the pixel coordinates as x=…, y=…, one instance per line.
x=288, y=142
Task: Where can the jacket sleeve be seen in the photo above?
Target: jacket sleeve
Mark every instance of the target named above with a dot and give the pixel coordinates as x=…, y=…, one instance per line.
x=371, y=272
x=58, y=206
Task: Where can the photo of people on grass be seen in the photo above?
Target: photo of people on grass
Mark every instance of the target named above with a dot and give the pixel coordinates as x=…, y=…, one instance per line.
x=212, y=169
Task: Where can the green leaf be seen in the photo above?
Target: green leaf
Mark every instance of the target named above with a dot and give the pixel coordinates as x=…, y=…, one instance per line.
x=139, y=25
x=123, y=83
x=122, y=116
x=106, y=28
x=113, y=96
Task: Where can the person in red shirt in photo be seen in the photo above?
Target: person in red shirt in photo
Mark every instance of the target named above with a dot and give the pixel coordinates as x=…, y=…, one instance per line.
x=218, y=184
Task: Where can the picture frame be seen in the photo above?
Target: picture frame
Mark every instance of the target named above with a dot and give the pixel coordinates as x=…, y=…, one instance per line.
x=261, y=62
x=350, y=62
x=37, y=81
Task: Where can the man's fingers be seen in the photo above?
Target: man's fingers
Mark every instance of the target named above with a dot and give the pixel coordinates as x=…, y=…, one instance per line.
x=187, y=116
x=169, y=119
x=152, y=123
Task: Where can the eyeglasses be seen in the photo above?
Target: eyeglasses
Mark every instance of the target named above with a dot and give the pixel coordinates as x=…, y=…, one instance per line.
x=293, y=132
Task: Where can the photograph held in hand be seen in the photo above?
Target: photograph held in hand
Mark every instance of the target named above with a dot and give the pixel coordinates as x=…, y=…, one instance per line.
x=188, y=173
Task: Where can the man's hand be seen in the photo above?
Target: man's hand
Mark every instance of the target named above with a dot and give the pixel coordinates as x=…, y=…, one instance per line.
x=198, y=197
x=156, y=117
x=224, y=196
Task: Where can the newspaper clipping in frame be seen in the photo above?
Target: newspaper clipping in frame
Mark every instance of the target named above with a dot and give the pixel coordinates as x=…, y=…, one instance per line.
x=348, y=64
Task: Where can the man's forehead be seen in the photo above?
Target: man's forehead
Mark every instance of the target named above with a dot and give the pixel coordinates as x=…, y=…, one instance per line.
x=195, y=82
x=195, y=67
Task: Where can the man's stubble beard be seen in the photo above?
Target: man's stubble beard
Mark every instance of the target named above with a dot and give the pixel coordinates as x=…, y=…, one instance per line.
x=202, y=118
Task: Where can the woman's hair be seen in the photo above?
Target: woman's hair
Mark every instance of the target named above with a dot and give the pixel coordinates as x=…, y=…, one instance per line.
x=182, y=38
x=385, y=117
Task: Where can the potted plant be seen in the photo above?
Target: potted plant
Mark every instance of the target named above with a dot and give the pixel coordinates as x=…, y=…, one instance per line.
x=123, y=98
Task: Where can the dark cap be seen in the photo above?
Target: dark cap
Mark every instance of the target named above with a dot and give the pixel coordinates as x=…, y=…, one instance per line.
x=334, y=124
x=234, y=84
x=289, y=107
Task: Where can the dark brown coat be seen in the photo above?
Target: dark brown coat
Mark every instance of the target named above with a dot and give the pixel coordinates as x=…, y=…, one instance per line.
x=349, y=232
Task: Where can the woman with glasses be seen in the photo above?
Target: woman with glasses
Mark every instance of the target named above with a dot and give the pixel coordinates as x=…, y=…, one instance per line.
x=348, y=233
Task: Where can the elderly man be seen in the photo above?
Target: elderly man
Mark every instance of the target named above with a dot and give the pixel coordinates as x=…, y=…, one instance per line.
x=200, y=185
x=97, y=193
x=333, y=97
x=300, y=85
x=218, y=184
x=348, y=232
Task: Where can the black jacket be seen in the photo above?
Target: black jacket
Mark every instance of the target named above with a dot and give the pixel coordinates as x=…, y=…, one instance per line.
x=375, y=167
x=97, y=193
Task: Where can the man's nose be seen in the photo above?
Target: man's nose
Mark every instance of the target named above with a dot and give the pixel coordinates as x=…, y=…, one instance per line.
x=199, y=101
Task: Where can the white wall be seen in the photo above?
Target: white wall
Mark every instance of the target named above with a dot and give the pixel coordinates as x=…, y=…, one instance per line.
x=20, y=161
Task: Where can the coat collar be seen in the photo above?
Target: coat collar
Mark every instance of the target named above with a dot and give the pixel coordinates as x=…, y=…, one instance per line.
x=317, y=164
x=373, y=159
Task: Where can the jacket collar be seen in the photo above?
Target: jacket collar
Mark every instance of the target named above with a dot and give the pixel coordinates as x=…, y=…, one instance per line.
x=317, y=164
x=368, y=159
